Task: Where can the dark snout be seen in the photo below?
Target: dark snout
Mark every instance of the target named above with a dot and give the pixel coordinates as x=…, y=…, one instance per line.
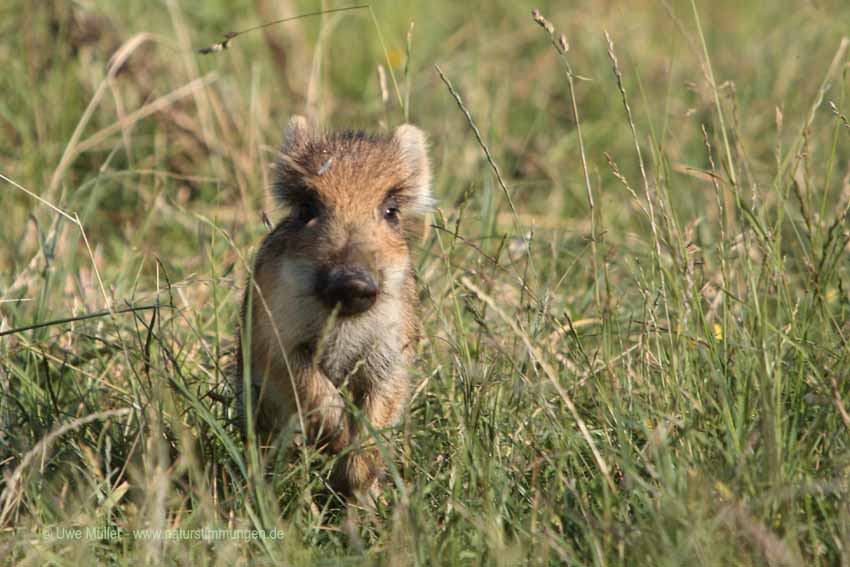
x=352, y=289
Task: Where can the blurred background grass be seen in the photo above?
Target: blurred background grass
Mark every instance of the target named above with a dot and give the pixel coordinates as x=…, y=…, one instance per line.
x=705, y=352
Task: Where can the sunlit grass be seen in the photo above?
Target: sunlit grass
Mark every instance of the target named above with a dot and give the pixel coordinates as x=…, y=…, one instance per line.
x=643, y=361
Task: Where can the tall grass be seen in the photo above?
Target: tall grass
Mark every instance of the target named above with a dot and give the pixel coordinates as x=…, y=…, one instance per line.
x=635, y=286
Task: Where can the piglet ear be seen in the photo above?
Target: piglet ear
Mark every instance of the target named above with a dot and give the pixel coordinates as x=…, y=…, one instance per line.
x=414, y=153
x=296, y=134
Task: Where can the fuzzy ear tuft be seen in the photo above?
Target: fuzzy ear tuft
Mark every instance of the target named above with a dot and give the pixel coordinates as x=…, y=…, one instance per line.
x=295, y=134
x=414, y=152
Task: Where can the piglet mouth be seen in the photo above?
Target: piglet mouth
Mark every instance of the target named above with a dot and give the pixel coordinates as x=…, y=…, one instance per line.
x=349, y=289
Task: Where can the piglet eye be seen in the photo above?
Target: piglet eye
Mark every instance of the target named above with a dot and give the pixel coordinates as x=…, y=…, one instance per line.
x=391, y=214
x=306, y=211
x=390, y=211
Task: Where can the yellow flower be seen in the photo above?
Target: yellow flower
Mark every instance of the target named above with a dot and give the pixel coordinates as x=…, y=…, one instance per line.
x=395, y=57
x=831, y=294
x=718, y=332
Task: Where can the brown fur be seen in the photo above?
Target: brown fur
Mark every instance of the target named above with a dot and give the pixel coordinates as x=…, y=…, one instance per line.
x=300, y=355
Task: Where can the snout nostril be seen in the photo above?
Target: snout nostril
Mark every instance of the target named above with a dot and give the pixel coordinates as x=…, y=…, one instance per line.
x=352, y=289
x=360, y=287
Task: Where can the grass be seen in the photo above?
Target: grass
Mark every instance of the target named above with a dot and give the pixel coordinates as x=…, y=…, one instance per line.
x=635, y=287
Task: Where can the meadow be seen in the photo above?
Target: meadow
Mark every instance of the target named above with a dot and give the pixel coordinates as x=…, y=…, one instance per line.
x=635, y=285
